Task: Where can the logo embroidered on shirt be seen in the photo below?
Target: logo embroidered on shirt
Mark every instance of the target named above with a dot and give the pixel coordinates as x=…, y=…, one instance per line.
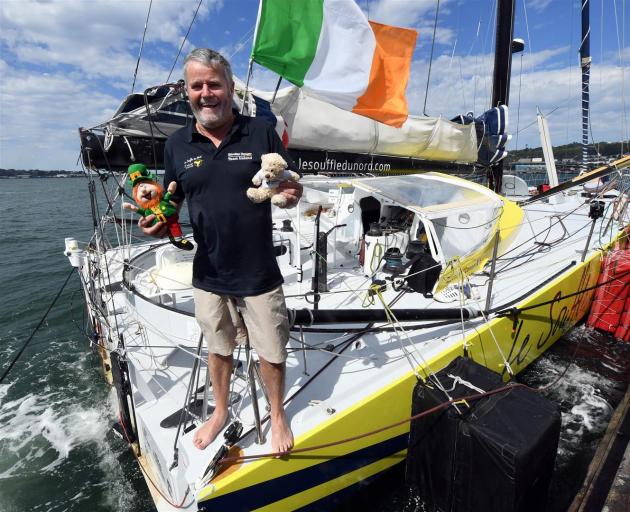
x=239, y=156
x=195, y=161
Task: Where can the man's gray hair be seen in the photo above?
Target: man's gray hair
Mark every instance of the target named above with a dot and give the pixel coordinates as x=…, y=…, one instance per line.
x=212, y=59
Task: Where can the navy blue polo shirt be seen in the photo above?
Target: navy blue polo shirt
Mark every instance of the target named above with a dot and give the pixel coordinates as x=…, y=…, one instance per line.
x=235, y=253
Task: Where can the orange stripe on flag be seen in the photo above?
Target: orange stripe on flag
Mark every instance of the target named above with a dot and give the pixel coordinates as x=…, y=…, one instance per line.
x=384, y=98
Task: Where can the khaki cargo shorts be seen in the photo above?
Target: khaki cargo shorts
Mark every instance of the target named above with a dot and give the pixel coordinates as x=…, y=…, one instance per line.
x=265, y=317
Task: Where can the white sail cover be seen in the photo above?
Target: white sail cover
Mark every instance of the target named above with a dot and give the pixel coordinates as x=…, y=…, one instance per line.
x=313, y=124
x=309, y=123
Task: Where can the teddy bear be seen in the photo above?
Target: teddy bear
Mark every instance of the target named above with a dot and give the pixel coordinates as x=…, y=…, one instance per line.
x=273, y=170
x=151, y=200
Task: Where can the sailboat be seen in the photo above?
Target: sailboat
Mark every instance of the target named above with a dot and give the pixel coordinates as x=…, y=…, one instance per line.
x=321, y=137
x=388, y=278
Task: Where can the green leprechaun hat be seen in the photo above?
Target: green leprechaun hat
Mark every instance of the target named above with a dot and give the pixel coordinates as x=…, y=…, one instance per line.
x=139, y=172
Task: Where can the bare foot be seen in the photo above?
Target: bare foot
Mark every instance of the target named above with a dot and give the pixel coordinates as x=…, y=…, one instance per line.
x=208, y=432
x=281, y=435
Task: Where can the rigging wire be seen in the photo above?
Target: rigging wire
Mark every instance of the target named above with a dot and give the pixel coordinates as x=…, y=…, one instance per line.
x=489, y=64
x=437, y=408
x=510, y=261
x=517, y=310
x=25, y=344
x=153, y=147
x=480, y=70
x=172, y=87
x=427, y=326
x=120, y=192
x=450, y=65
x=571, y=57
x=168, y=78
x=620, y=43
x=518, y=108
x=449, y=90
x=415, y=417
x=498, y=310
x=530, y=48
x=454, y=402
x=462, y=82
x=548, y=114
x=462, y=304
x=146, y=24
x=475, y=73
x=528, y=254
x=426, y=93
x=601, y=44
x=242, y=42
x=100, y=235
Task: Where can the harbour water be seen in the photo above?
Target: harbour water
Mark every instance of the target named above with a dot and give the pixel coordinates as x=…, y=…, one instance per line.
x=57, y=449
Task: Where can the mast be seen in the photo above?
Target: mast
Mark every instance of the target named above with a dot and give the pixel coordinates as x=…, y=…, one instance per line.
x=502, y=70
x=585, y=63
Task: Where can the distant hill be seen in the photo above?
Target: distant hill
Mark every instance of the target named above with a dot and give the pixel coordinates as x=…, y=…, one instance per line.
x=37, y=173
x=572, y=151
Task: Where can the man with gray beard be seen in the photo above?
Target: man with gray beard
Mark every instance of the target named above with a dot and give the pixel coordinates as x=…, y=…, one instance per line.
x=213, y=161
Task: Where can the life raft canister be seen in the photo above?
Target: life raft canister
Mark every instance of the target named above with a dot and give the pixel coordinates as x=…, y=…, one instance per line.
x=610, y=311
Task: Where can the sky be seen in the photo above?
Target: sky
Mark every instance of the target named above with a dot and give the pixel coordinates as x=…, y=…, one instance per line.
x=66, y=64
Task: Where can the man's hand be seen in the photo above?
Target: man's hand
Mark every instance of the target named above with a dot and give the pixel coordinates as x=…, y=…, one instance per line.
x=292, y=190
x=157, y=230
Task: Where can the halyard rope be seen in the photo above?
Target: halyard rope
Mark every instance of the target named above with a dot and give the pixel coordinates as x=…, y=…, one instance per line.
x=25, y=344
x=462, y=400
x=443, y=405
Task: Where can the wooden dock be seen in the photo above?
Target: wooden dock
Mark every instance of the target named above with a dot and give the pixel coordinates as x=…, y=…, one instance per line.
x=607, y=483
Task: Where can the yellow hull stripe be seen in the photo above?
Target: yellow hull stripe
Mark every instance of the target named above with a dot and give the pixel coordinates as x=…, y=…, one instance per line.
x=522, y=340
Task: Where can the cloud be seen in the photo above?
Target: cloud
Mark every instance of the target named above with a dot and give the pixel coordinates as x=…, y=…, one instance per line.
x=538, y=5
x=465, y=83
x=41, y=115
x=96, y=38
x=417, y=14
x=617, y=56
x=403, y=13
x=543, y=58
x=67, y=64
x=265, y=80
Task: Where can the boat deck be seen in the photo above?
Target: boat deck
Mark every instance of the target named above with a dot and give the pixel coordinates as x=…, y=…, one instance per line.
x=339, y=382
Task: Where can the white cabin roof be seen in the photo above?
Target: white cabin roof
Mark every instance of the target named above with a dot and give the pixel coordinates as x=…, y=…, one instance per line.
x=431, y=194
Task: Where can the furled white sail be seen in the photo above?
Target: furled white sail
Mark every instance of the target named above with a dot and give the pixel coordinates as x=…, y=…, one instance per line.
x=307, y=123
x=316, y=125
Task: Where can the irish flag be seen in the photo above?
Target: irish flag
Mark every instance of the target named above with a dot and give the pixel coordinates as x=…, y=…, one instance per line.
x=329, y=48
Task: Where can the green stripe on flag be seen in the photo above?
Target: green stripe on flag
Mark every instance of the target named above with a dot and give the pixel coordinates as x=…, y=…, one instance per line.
x=287, y=36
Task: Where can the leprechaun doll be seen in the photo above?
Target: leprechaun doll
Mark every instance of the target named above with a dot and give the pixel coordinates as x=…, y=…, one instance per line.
x=151, y=200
